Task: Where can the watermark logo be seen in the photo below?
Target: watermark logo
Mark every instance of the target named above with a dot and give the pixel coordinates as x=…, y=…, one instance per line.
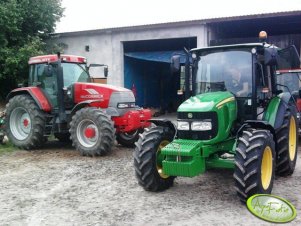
x=271, y=208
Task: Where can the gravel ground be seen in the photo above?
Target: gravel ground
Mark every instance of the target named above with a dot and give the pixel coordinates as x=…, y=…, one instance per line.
x=56, y=186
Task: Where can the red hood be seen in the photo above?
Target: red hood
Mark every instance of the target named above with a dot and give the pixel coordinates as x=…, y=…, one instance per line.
x=95, y=91
x=105, y=86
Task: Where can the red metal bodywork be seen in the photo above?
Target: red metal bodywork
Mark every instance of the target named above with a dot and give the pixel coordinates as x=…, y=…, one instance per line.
x=36, y=94
x=95, y=91
x=132, y=120
x=299, y=104
x=54, y=58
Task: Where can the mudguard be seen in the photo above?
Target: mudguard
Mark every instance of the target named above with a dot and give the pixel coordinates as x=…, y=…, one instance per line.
x=275, y=112
x=164, y=123
x=35, y=93
x=84, y=104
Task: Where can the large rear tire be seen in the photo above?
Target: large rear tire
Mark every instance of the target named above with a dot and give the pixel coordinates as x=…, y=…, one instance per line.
x=254, y=163
x=128, y=139
x=92, y=132
x=25, y=123
x=287, y=144
x=148, y=159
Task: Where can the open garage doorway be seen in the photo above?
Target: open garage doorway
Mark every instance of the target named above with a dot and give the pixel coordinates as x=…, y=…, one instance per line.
x=147, y=72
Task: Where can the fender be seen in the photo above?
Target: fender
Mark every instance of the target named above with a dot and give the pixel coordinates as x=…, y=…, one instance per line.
x=164, y=123
x=257, y=124
x=275, y=112
x=35, y=93
x=84, y=104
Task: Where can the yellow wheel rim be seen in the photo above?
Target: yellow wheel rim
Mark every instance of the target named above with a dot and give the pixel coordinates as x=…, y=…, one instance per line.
x=266, y=167
x=292, y=140
x=160, y=159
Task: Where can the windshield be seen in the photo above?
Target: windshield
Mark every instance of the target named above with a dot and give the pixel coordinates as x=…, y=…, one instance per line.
x=74, y=73
x=226, y=70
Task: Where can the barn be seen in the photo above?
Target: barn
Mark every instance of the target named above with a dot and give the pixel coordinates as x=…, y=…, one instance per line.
x=139, y=56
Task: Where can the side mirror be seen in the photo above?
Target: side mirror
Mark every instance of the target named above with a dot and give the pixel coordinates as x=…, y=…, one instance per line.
x=175, y=63
x=270, y=56
x=288, y=58
x=106, y=71
x=48, y=70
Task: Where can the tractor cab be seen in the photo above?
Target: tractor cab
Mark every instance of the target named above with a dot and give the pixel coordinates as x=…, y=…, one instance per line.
x=289, y=83
x=229, y=70
x=246, y=71
x=43, y=73
x=289, y=86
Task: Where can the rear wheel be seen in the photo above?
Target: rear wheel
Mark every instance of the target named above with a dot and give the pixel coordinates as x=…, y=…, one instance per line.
x=25, y=122
x=148, y=159
x=254, y=163
x=287, y=144
x=92, y=132
x=128, y=139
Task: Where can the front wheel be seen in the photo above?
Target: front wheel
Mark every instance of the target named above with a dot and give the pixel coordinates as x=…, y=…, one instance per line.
x=128, y=139
x=92, y=132
x=254, y=163
x=148, y=159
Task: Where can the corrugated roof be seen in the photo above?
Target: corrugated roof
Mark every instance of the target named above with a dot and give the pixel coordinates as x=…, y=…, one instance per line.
x=180, y=23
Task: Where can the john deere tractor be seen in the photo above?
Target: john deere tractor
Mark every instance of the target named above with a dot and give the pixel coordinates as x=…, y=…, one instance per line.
x=62, y=100
x=235, y=119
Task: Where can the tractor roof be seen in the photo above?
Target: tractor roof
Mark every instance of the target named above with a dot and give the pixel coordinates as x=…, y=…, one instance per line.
x=245, y=45
x=54, y=58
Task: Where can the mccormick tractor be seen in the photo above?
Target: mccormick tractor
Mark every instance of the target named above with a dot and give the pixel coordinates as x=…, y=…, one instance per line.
x=234, y=119
x=62, y=100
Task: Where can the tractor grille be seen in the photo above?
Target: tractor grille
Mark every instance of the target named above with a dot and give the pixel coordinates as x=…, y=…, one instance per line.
x=198, y=135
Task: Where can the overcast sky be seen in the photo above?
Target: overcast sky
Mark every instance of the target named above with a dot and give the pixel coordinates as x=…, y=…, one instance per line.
x=97, y=14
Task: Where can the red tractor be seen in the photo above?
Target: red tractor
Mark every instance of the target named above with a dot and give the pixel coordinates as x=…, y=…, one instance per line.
x=62, y=100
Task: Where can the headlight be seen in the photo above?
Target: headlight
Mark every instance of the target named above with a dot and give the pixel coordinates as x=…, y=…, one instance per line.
x=126, y=105
x=183, y=125
x=201, y=126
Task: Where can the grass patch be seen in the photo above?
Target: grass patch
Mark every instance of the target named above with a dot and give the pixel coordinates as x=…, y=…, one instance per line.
x=8, y=147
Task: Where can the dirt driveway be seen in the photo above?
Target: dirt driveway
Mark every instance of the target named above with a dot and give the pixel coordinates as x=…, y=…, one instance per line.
x=56, y=186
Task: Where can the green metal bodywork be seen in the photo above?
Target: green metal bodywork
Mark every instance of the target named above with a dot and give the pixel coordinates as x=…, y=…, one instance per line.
x=190, y=158
x=212, y=102
x=271, y=112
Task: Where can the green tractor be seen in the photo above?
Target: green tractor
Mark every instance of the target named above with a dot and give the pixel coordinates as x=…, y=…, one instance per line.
x=234, y=118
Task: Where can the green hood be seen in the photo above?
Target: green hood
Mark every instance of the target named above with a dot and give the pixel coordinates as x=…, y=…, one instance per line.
x=204, y=102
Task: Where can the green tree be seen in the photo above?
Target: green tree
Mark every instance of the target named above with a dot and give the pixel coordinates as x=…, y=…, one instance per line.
x=24, y=26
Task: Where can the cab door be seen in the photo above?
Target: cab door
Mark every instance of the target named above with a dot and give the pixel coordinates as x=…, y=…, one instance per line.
x=46, y=81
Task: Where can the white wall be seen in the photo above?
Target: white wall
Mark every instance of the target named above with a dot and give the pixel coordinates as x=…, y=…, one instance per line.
x=106, y=46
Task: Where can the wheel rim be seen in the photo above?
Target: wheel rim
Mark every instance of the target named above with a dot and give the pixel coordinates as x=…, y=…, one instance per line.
x=292, y=139
x=160, y=158
x=20, y=123
x=129, y=135
x=87, y=133
x=266, y=167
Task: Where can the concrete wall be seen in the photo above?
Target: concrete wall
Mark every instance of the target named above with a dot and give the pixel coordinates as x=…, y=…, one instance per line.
x=106, y=46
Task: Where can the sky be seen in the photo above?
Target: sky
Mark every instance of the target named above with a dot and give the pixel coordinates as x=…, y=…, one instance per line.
x=98, y=14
